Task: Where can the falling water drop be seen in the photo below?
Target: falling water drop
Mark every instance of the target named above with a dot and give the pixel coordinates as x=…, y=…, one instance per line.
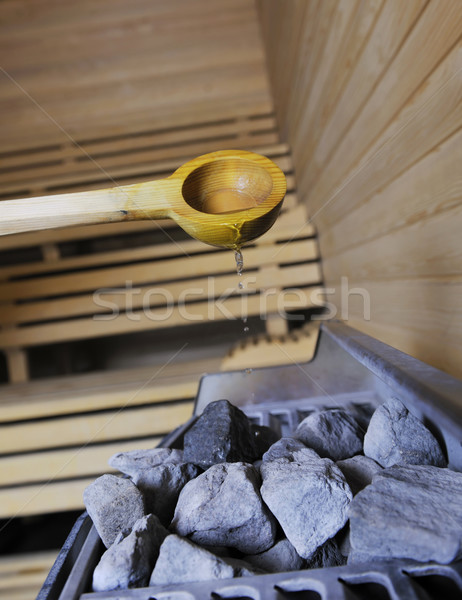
x=239, y=262
x=240, y=267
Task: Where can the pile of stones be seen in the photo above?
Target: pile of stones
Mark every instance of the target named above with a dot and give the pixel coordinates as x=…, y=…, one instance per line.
x=238, y=501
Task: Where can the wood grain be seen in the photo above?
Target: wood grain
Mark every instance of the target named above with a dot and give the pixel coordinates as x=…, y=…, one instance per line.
x=128, y=68
x=378, y=161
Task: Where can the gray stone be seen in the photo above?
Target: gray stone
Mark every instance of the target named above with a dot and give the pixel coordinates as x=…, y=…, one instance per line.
x=114, y=505
x=280, y=557
x=181, y=561
x=359, y=471
x=284, y=448
x=409, y=512
x=397, y=437
x=134, y=461
x=333, y=434
x=327, y=555
x=223, y=507
x=162, y=485
x=221, y=434
x=243, y=568
x=308, y=496
x=129, y=561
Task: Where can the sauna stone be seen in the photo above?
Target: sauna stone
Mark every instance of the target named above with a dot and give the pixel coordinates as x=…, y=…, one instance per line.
x=129, y=561
x=397, y=437
x=411, y=511
x=327, y=555
x=182, y=561
x=221, y=434
x=359, y=471
x=333, y=434
x=280, y=557
x=223, y=507
x=134, y=461
x=114, y=505
x=162, y=485
x=309, y=496
x=283, y=448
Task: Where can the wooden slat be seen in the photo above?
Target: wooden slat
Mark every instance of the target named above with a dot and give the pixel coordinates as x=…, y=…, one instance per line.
x=437, y=31
x=40, y=498
x=390, y=29
x=61, y=464
x=72, y=394
x=22, y=575
x=155, y=271
x=317, y=96
x=156, y=319
x=378, y=258
x=416, y=194
x=98, y=427
x=432, y=115
x=136, y=141
x=27, y=562
x=128, y=69
x=143, y=296
x=421, y=317
x=47, y=176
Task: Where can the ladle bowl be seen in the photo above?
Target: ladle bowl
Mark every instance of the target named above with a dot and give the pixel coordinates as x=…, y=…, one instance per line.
x=224, y=198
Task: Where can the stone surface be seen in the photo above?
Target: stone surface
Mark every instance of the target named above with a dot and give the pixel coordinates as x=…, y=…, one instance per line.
x=223, y=507
x=264, y=437
x=409, y=512
x=359, y=471
x=284, y=448
x=333, y=434
x=134, y=461
x=279, y=558
x=114, y=505
x=129, y=561
x=327, y=555
x=308, y=496
x=162, y=485
x=221, y=434
x=182, y=561
x=396, y=437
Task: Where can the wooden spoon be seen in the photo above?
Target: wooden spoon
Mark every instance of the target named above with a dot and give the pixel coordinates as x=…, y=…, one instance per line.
x=224, y=198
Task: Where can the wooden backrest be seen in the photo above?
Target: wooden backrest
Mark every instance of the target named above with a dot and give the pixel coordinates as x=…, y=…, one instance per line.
x=155, y=286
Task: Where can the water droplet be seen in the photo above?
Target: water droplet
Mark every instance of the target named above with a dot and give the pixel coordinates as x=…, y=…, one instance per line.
x=241, y=285
x=239, y=262
x=248, y=371
x=246, y=329
x=244, y=319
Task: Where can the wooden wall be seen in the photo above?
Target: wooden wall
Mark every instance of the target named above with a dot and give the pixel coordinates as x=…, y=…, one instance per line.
x=369, y=95
x=99, y=68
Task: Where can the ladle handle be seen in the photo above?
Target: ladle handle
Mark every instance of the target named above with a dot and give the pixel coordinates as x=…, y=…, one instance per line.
x=125, y=203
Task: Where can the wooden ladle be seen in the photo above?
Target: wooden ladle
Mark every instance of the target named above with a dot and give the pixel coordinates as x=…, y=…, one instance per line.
x=224, y=198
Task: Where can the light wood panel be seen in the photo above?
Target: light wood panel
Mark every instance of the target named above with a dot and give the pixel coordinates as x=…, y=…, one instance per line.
x=118, y=68
x=22, y=575
x=376, y=140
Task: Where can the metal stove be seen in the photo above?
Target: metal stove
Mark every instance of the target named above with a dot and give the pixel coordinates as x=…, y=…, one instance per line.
x=351, y=370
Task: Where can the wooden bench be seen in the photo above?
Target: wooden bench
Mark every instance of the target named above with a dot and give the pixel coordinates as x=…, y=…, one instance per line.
x=56, y=434
x=22, y=575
